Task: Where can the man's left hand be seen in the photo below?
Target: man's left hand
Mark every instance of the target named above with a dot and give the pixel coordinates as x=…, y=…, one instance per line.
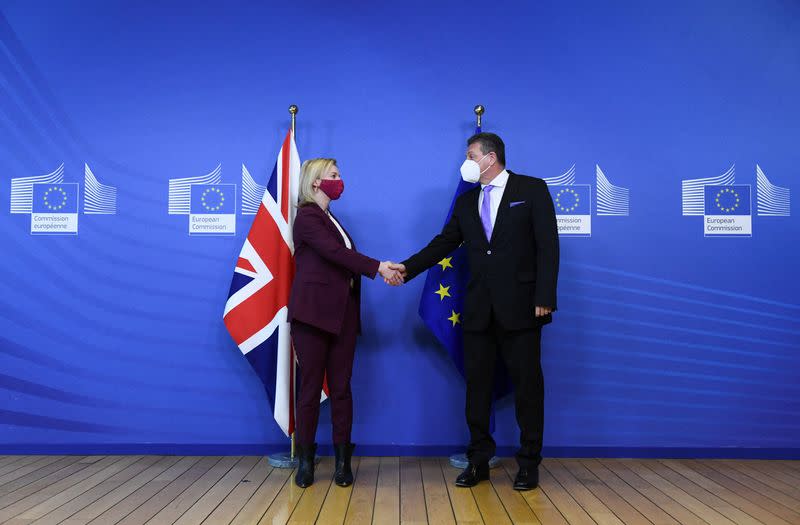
x=541, y=311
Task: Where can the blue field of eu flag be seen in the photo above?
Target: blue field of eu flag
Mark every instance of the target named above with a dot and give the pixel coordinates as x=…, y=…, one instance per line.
x=733, y=199
x=442, y=304
x=213, y=199
x=572, y=200
x=55, y=198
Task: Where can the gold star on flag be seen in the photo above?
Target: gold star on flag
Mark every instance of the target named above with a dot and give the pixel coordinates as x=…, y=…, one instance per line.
x=455, y=318
x=444, y=291
x=445, y=263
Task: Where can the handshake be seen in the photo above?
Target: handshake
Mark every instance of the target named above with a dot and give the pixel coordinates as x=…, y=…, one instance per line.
x=394, y=274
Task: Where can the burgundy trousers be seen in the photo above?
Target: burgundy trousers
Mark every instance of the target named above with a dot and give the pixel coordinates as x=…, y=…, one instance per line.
x=318, y=353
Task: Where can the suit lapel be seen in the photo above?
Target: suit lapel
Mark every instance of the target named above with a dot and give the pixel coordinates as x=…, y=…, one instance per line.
x=502, y=211
x=331, y=226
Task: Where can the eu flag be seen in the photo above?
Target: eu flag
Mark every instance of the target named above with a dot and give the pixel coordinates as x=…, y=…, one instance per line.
x=732, y=199
x=213, y=199
x=55, y=198
x=442, y=304
x=574, y=199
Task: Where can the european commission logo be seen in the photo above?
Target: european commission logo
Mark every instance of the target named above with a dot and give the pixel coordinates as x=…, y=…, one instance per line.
x=53, y=203
x=213, y=209
x=209, y=204
x=726, y=207
x=727, y=210
x=55, y=208
x=573, y=202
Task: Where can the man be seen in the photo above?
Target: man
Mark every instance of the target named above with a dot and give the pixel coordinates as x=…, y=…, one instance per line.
x=508, y=226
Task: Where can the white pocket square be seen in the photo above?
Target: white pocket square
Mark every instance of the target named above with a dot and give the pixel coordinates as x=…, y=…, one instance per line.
x=516, y=203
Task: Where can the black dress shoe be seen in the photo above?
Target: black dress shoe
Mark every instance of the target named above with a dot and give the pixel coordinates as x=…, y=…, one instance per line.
x=472, y=475
x=343, y=476
x=306, y=455
x=527, y=479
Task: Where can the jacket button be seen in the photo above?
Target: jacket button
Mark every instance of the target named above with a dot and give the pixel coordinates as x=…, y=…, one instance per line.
x=488, y=252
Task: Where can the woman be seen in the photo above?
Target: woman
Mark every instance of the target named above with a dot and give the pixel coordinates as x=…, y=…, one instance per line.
x=324, y=309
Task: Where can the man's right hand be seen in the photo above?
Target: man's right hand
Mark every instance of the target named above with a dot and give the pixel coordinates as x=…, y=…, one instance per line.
x=402, y=269
x=391, y=273
x=395, y=273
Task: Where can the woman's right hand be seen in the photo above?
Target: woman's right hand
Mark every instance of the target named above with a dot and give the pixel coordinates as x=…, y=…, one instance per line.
x=391, y=273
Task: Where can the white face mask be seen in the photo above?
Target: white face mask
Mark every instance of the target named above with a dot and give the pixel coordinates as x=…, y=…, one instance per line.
x=471, y=170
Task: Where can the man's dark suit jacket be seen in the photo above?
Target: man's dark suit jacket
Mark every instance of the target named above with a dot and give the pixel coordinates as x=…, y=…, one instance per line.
x=325, y=267
x=513, y=272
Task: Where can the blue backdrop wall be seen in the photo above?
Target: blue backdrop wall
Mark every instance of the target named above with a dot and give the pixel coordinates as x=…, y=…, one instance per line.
x=112, y=339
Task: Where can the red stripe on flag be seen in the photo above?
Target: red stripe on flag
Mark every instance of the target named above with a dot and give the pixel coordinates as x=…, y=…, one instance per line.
x=286, y=178
x=244, y=264
x=244, y=321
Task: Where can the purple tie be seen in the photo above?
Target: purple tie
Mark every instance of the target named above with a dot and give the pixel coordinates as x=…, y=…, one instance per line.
x=486, y=212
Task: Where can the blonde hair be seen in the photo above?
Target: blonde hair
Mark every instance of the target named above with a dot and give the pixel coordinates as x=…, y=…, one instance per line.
x=311, y=171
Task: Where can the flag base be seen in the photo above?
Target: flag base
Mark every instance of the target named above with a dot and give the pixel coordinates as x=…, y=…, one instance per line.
x=285, y=460
x=460, y=461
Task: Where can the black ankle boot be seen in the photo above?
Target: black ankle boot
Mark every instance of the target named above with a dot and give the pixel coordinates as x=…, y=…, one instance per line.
x=344, y=474
x=306, y=454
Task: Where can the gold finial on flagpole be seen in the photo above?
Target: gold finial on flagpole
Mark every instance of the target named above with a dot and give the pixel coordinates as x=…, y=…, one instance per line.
x=293, y=111
x=479, y=112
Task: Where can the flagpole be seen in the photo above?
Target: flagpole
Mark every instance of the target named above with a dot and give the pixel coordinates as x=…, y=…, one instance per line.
x=293, y=113
x=280, y=459
x=460, y=460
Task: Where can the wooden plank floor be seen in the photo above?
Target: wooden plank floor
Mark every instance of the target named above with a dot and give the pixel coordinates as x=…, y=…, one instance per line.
x=158, y=490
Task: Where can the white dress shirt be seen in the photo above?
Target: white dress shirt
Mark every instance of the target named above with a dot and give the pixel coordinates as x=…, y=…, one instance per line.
x=341, y=230
x=496, y=195
x=344, y=236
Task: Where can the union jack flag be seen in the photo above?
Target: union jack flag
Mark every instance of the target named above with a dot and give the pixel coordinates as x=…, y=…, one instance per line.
x=256, y=311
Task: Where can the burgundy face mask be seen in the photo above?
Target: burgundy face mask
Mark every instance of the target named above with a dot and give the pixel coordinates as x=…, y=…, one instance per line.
x=333, y=188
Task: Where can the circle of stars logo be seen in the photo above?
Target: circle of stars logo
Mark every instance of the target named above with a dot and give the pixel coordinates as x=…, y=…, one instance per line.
x=53, y=195
x=727, y=200
x=212, y=199
x=567, y=207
